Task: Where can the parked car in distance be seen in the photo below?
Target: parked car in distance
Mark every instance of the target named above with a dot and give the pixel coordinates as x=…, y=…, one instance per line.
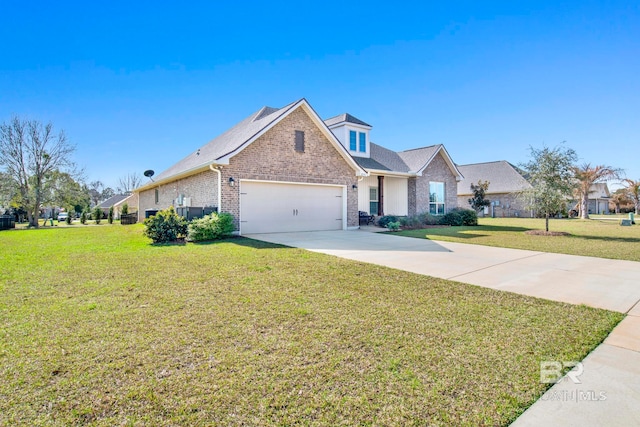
x=62, y=216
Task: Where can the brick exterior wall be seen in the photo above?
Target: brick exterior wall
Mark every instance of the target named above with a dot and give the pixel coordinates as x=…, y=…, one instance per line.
x=510, y=205
x=272, y=157
x=437, y=171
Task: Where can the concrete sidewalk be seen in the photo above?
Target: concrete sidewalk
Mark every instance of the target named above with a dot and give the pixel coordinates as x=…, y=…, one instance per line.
x=609, y=392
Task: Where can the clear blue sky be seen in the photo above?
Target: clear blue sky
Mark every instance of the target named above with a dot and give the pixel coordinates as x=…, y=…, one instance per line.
x=138, y=85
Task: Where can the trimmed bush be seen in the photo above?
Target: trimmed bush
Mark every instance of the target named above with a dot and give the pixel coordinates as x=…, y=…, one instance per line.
x=125, y=209
x=110, y=216
x=97, y=214
x=394, y=226
x=69, y=219
x=83, y=217
x=410, y=222
x=457, y=217
x=427, y=219
x=165, y=226
x=211, y=227
x=385, y=220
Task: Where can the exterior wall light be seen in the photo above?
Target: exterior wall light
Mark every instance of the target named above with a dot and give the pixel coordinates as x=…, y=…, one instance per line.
x=232, y=182
x=354, y=187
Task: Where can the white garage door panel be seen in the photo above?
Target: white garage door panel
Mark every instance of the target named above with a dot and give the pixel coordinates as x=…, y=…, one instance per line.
x=277, y=208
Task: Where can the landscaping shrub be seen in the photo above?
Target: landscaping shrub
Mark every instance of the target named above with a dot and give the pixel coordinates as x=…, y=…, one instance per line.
x=393, y=226
x=211, y=227
x=125, y=209
x=427, y=219
x=385, y=220
x=69, y=219
x=165, y=226
x=83, y=217
x=457, y=217
x=97, y=214
x=410, y=222
x=110, y=216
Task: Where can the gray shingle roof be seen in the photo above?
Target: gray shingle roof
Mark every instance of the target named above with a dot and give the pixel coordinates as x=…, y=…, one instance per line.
x=346, y=117
x=503, y=177
x=417, y=158
x=390, y=160
x=113, y=200
x=227, y=142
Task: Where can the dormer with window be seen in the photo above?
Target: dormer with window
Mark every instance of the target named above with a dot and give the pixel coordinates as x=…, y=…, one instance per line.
x=352, y=133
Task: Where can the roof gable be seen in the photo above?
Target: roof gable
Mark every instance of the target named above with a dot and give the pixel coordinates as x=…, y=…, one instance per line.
x=113, y=200
x=418, y=159
x=233, y=141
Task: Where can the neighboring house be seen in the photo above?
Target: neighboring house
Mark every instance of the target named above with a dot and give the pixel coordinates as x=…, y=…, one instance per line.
x=285, y=169
x=599, y=197
x=505, y=182
x=116, y=201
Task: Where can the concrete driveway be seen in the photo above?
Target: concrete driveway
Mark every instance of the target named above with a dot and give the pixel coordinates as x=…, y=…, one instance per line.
x=611, y=371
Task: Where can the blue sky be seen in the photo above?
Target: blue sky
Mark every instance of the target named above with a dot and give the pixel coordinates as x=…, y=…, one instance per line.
x=138, y=85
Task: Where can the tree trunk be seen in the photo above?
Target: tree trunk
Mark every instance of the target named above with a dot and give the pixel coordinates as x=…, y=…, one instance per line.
x=584, y=206
x=546, y=222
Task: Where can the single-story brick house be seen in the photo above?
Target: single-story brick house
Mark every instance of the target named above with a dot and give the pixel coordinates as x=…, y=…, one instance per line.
x=505, y=182
x=285, y=169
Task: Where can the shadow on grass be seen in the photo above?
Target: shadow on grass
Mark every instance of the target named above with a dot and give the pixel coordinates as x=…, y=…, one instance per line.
x=610, y=239
x=462, y=232
x=243, y=241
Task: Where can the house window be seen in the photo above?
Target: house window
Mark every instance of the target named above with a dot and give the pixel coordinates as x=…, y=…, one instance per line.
x=299, y=141
x=363, y=142
x=436, y=198
x=352, y=140
x=157, y=196
x=373, y=200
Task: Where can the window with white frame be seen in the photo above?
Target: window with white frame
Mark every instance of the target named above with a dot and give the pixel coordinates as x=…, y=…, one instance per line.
x=373, y=200
x=357, y=141
x=363, y=142
x=436, y=198
x=352, y=140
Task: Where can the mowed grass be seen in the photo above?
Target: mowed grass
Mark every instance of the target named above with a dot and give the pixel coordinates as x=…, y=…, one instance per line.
x=601, y=238
x=98, y=327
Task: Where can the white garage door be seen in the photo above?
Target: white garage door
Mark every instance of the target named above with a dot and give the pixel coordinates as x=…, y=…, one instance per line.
x=267, y=207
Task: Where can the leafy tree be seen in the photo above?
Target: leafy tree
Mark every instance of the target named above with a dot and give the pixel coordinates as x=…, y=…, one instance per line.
x=129, y=182
x=633, y=192
x=478, y=201
x=97, y=214
x=29, y=152
x=550, y=173
x=110, y=216
x=61, y=189
x=107, y=193
x=587, y=175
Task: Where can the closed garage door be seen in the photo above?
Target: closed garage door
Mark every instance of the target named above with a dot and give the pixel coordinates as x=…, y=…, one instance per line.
x=267, y=207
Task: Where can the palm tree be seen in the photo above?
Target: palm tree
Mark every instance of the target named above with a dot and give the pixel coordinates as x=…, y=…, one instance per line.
x=586, y=176
x=619, y=197
x=633, y=192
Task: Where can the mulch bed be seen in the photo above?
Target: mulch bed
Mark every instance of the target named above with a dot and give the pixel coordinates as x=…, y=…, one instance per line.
x=546, y=233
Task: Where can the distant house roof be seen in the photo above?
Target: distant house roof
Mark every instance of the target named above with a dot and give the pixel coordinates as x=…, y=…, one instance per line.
x=234, y=140
x=346, y=117
x=113, y=201
x=503, y=177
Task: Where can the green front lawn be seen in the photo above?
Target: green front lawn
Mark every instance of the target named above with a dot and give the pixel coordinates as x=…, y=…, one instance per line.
x=601, y=238
x=98, y=327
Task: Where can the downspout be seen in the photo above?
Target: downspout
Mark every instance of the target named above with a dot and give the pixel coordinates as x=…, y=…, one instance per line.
x=219, y=186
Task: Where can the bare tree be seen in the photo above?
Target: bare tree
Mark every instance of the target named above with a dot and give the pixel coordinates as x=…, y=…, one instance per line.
x=587, y=175
x=95, y=191
x=29, y=152
x=129, y=182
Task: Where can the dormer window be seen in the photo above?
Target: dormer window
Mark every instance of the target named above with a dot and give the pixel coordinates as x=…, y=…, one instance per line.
x=354, y=138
